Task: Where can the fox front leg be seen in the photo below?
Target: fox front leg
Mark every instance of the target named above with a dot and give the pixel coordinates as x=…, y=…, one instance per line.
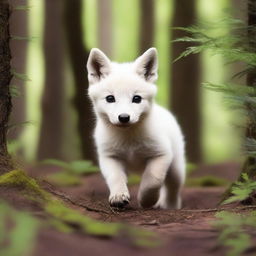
x=152, y=180
x=116, y=179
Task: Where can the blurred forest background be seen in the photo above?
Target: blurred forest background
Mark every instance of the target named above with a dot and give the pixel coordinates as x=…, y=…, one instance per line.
x=51, y=115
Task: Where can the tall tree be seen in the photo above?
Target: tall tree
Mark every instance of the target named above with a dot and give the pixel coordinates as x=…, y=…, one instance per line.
x=5, y=78
x=250, y=163
x=78, y=57
x=105, y=34
x=18, y=28
x=185, y=94
x=147, y=25
x=51, y=134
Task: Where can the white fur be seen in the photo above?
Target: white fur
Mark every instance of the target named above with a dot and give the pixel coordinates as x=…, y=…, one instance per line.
x=152, y=140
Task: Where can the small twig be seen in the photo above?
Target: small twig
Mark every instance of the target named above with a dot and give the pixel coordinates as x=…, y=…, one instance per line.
x=67, y=198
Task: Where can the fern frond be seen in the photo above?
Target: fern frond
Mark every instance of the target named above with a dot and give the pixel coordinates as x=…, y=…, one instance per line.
x=22, y=8
x=27, y=38
x=20, y=76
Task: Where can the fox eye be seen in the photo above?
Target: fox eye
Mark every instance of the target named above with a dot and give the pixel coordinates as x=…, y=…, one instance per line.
x=136, y=99
x=110, y=99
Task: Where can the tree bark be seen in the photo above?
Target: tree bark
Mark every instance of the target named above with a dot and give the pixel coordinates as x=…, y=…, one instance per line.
x=5, y=78
x=147, y=24
x=250, y=163
x=105, y=34
x=185, y=94
x=51, y=134
x=18, y=27
x=78, y=57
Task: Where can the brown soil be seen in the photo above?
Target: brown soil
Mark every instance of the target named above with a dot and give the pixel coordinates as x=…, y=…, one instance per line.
x=183, y=232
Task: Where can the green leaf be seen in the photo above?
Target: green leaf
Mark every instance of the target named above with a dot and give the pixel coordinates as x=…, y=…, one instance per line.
x=241, y=190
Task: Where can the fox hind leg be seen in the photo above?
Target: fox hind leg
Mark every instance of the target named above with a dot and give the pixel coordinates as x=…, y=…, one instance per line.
x=152, y=180
x=170, y=197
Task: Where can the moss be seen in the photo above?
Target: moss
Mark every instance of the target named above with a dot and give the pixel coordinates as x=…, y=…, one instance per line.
x=88, y=225
x=66, y=219
x=22, y=181
x=206, y=181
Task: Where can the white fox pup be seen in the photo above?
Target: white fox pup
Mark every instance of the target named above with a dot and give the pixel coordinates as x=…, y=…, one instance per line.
x=133, y=133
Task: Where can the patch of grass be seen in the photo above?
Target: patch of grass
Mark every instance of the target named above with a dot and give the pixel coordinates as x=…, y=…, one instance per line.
x=206, y=181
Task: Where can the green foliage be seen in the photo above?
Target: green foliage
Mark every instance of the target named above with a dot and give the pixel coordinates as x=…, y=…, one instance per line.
x=14, y=91
x=26, y=38
x=64, y=179
x=233, y=231
x=241, y=189
x=77, y=167
x=191, y=167
x=233, y=45
x=22, y=8
x=206, y=181
x=20, y=76
x=71, y=172
x=15, y=240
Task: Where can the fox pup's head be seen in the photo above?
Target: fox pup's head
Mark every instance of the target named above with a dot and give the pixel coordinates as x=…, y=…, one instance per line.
x=122, y=94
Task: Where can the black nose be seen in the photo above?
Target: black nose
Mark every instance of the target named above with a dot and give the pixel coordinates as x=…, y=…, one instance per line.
x=124, y=118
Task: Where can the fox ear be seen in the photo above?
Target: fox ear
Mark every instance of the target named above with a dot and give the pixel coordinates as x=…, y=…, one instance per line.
x=146, y=65
x=98, y=66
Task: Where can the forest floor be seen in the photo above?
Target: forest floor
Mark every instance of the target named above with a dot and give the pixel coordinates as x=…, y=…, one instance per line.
x=188, y=231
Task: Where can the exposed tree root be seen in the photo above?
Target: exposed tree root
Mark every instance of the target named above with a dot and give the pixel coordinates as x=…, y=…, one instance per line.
x=66, y=198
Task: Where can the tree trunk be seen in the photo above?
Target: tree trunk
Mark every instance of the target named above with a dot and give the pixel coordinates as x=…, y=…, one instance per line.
x=18, y=27
x=147, y=24
x=51, y=134
x=78, y=57
x=249, y=166
x=250, y=163
x=105, y=26
x=185, y=95
x=5, y=78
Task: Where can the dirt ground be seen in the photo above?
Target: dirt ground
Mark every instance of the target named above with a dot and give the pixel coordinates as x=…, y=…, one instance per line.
x=183, y=232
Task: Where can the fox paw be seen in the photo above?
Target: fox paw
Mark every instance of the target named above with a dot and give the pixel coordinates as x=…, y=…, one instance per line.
x=119, y=200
